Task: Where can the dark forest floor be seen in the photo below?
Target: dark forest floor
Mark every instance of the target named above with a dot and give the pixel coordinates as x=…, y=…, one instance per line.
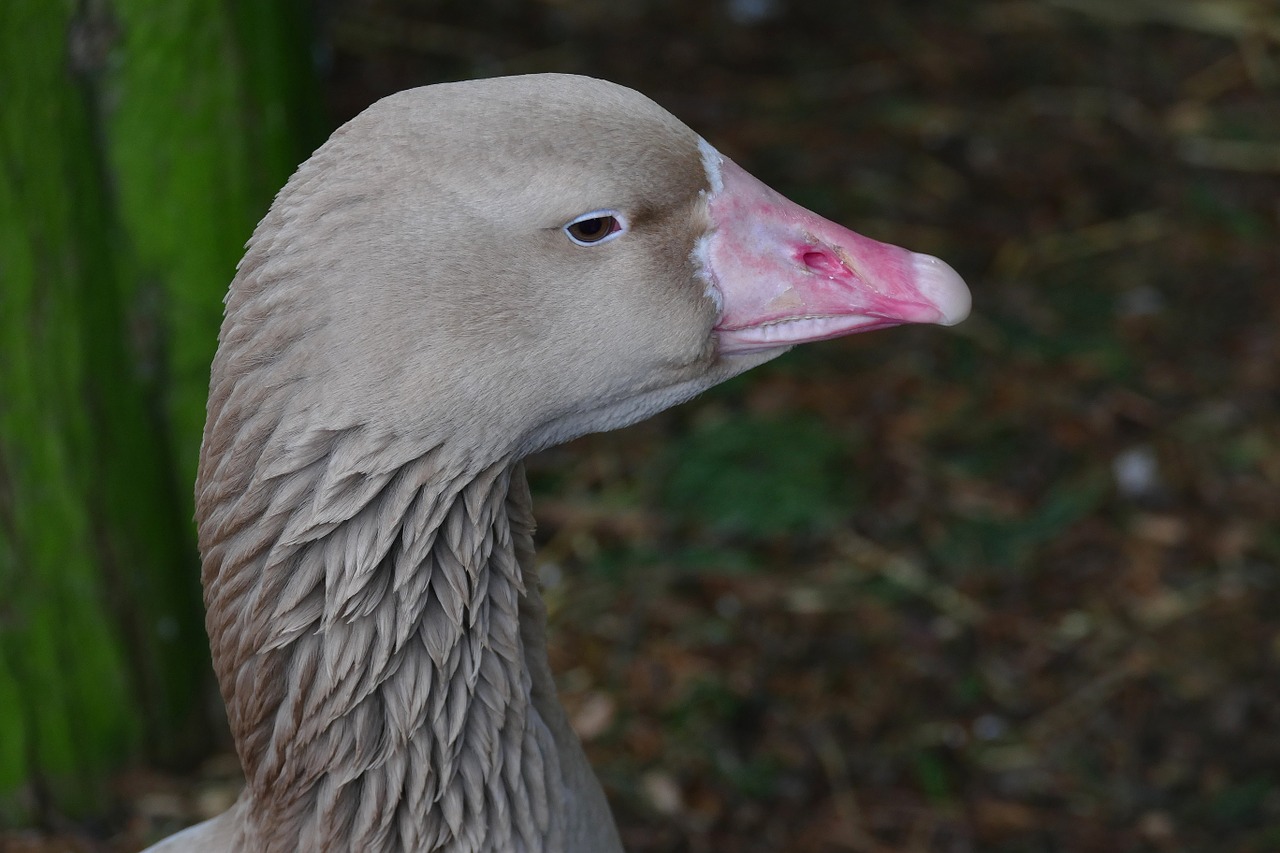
x=1007, y=587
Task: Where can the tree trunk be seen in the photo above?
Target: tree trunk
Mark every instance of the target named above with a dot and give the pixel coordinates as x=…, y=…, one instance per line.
x=139, y=143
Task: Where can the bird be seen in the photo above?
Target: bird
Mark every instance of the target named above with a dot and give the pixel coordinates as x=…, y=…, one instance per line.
x=462, y=275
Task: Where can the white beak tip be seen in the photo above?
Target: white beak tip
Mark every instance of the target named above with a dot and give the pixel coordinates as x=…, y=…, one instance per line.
x=944, y=287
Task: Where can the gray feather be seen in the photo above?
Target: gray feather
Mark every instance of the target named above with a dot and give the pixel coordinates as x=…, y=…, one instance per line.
x=365, y=525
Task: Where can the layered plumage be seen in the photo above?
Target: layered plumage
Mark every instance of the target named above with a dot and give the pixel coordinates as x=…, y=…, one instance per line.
x=417, y=313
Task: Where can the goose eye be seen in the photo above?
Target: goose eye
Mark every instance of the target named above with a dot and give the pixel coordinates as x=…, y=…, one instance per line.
x=592, y=228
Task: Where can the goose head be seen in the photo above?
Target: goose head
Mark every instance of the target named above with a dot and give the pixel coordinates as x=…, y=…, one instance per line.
x=501, y=265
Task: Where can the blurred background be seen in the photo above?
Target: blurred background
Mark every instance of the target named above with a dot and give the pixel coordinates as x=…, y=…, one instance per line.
x=1005, y=587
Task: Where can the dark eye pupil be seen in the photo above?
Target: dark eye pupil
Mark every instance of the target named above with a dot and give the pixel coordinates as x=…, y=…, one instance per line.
x=592, y=230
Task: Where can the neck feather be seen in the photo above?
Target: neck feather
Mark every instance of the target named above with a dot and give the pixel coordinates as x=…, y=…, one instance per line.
x=371, y=652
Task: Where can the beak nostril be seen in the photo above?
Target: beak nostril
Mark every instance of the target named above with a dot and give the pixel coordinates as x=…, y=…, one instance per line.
x=824, y=262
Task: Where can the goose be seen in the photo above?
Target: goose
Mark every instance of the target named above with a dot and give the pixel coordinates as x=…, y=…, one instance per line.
x=462, y=275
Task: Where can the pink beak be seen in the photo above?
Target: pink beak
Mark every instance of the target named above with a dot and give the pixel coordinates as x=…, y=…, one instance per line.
x=785, y=275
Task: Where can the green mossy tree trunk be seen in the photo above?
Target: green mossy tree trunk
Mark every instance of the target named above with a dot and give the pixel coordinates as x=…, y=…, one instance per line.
x=139, y=143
